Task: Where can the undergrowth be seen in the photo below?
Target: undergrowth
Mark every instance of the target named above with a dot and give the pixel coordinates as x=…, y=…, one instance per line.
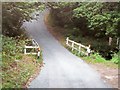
x=96, y=58
x=17, y=68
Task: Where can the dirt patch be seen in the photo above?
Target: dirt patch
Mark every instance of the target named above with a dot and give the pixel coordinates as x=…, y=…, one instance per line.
x=35, y=67
x=19, y=73
x=108, y=74
x=33, y=76
x=38, y=67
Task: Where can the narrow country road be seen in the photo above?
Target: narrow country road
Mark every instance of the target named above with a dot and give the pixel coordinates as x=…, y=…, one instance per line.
x=62, y=69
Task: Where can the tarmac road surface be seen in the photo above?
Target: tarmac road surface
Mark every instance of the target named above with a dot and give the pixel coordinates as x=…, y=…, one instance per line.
x=62, y=69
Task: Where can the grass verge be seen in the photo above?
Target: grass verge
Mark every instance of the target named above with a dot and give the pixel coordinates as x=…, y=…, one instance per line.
x=17, y=68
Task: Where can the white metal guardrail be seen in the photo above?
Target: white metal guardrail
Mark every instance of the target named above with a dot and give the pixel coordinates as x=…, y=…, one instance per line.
x=77, y=46
x=34, y=43
x=35, y=46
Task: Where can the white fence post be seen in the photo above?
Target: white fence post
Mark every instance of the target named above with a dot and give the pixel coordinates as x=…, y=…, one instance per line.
x=67, y=39
x=79, y=48
x=72, y=45
x=25, y=50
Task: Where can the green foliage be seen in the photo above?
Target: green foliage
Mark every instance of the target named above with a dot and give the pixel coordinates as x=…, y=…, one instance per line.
x=12, y=48
x=116, y=58
x=98, y=58
x=96, y=16
x=0, y=61
x=15, y=13
x=11, y=52
x=59, y=5
x=61, y=12
x=18, y=73
x=100, y=16
x=89, y=23
x=95, y=58
x=16, y=67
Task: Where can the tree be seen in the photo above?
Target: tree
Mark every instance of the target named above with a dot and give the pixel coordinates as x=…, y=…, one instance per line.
x=15, y=13
x=97, y=20
x=101, y=17
x=62, y=12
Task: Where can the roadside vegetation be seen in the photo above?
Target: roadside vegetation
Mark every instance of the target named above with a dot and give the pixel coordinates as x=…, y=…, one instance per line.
x=94, y=57
x=89, y=24
x=17, y=68
x=86, y=23
x=0, y=62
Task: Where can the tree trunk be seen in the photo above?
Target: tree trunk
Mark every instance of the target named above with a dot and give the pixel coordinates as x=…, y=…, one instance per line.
x=110, y=41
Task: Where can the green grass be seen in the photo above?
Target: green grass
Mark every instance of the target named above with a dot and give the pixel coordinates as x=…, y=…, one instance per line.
x=116, y=58
x=96, y=58
x=17, y=68
x=39, y=60
x=99, y=45
x=18, y=73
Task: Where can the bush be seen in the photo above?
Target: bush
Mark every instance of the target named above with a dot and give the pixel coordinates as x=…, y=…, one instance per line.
x=12, y=48
x=16, y=67
x=116, y=58
x=98, y=58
